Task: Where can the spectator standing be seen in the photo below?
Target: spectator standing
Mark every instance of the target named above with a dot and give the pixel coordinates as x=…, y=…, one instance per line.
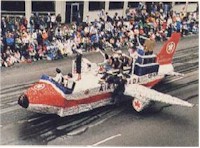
x=108, y=18
x=32, y=23
x=3, y=26
x=127, y=13
x=102, y=15
x=58, y=19
x=37, y=21
x=24, y=22
x=53, y=21
x=87, y=20
x=48, y=20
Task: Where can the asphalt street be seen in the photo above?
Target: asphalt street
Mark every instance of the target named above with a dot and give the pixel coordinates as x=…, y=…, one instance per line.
x=160, y=125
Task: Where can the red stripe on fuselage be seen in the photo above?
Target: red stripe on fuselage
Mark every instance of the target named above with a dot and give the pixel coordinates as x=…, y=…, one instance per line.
x=92, y=99
x=50, y=96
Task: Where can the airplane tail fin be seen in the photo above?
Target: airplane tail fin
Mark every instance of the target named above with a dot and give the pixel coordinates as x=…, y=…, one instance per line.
x=166, y=53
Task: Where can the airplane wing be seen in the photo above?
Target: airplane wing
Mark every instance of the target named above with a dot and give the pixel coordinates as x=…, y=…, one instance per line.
x=175, y=74
x=145, y=94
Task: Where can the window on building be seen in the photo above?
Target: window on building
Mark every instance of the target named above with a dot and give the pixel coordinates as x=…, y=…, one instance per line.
x=116, y=5
x=96, y=6
x=43, y=6
x=167, y=3
x=192, y=2
x=70, y=16
x=13, y=5
x=133, y=4
x=180, y=3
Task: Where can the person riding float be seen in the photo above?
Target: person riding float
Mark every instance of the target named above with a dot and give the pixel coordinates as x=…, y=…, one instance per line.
x=78, y=63
x=69, y=82
x=59, y=76
x=65, y=81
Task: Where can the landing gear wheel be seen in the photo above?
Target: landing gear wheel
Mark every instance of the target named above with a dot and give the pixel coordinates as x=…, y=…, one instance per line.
x=137, y=105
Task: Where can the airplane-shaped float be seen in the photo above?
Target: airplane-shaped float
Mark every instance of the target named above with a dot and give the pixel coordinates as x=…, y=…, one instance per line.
x=48, y=96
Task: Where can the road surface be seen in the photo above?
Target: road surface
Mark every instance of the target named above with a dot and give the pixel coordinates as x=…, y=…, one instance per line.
x=160, y=125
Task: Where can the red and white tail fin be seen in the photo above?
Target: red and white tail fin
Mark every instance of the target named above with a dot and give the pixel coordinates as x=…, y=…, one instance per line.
x=166, y=53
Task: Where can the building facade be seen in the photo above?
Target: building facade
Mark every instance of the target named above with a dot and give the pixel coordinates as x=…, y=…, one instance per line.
x=70, y=9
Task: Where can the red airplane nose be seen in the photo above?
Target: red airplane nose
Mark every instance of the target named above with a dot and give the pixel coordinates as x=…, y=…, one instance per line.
x=23, y=101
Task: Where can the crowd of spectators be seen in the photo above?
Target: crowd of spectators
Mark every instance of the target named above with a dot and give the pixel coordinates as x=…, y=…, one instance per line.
x=44, y=37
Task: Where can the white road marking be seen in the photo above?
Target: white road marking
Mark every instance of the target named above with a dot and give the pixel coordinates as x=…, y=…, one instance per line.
x=33, y=119
x=174, y=80
x=16, y=93
x=13, y=108
x=19, y=85
x=12, y=103
x=186, y=75
x=107, y=139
